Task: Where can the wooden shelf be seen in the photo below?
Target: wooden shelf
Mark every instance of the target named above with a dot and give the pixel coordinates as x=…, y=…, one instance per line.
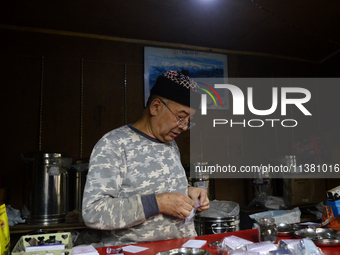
x=27, y=228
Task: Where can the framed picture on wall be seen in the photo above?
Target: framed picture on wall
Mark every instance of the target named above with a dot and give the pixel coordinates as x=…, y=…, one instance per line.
x=204, y=68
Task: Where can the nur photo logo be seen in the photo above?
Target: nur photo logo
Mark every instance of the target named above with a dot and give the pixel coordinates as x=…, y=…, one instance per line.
x=280, y=98
x=204, y=97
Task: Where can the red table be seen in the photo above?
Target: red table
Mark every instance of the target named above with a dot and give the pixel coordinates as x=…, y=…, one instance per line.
x=250, y=235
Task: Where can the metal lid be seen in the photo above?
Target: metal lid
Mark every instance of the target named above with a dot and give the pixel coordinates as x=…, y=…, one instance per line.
x=49, y=154
x=81, y=165
x=82, y=161
x=209, y=218
x=215, y=245
x=267, y=221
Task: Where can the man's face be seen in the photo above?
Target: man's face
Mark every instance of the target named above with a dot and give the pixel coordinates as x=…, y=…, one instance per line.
x=166, y=128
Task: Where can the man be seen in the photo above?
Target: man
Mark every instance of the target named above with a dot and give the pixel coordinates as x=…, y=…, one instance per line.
x=136, y=188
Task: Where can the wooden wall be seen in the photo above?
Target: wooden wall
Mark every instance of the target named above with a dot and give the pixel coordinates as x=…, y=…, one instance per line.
x=62, y=93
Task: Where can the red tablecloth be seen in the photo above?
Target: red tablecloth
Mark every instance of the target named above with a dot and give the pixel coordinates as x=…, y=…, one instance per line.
x=250, y=235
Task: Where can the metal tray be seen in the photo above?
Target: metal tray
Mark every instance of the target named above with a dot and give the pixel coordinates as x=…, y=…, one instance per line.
x=182, y=251
x=320, y=236
x=285, y=229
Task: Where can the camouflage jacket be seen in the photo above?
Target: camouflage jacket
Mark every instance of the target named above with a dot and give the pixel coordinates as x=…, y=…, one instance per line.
x=125, y=165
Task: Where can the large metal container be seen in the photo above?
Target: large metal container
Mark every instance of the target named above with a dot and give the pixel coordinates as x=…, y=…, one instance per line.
x=216, y=225
x=221, y=217
x=47, y=188
x=78, y=175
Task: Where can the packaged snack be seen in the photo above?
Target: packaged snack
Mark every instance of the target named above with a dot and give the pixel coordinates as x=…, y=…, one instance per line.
x=235, y=243
x=237, y=252
x=262, y=248
x=190, y=218
x=281, y=252
x=4, y=231
x=307, y=247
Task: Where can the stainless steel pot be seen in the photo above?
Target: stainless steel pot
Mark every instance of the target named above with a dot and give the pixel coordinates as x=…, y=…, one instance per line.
x=46, y=191
x=78, y=175
x=216, y=225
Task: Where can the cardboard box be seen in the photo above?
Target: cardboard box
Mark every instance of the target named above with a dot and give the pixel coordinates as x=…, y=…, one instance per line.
x=300, y=191
x=312, y=150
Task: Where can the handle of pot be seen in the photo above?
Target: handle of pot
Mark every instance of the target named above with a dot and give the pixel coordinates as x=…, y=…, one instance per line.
x=215, y=225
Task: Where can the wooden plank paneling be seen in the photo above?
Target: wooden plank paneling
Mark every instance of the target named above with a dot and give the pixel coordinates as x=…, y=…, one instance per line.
x=20, y=120
x=103, y=101
x=134, y=92
x=61, y=106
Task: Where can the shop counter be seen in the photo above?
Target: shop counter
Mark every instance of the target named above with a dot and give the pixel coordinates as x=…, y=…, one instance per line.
x=159, y=246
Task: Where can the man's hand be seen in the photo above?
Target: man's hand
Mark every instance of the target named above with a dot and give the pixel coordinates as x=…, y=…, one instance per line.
x=199, y=194
x=175, y=204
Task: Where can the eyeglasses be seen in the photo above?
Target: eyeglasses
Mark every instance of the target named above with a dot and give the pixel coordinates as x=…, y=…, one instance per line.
x=182, y=123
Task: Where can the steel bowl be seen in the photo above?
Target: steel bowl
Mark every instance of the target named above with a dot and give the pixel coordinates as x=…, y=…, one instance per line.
x=320, y=236
x=285, y=229
x=185, y=251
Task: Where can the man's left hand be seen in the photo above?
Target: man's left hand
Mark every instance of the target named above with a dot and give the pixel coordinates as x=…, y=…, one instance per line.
x=199, y=194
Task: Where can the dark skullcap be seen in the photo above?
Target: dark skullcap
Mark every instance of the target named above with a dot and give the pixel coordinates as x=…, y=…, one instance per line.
x=178, y=87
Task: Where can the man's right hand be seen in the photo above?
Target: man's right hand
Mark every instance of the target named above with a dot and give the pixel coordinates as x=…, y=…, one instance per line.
x=175, y=204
